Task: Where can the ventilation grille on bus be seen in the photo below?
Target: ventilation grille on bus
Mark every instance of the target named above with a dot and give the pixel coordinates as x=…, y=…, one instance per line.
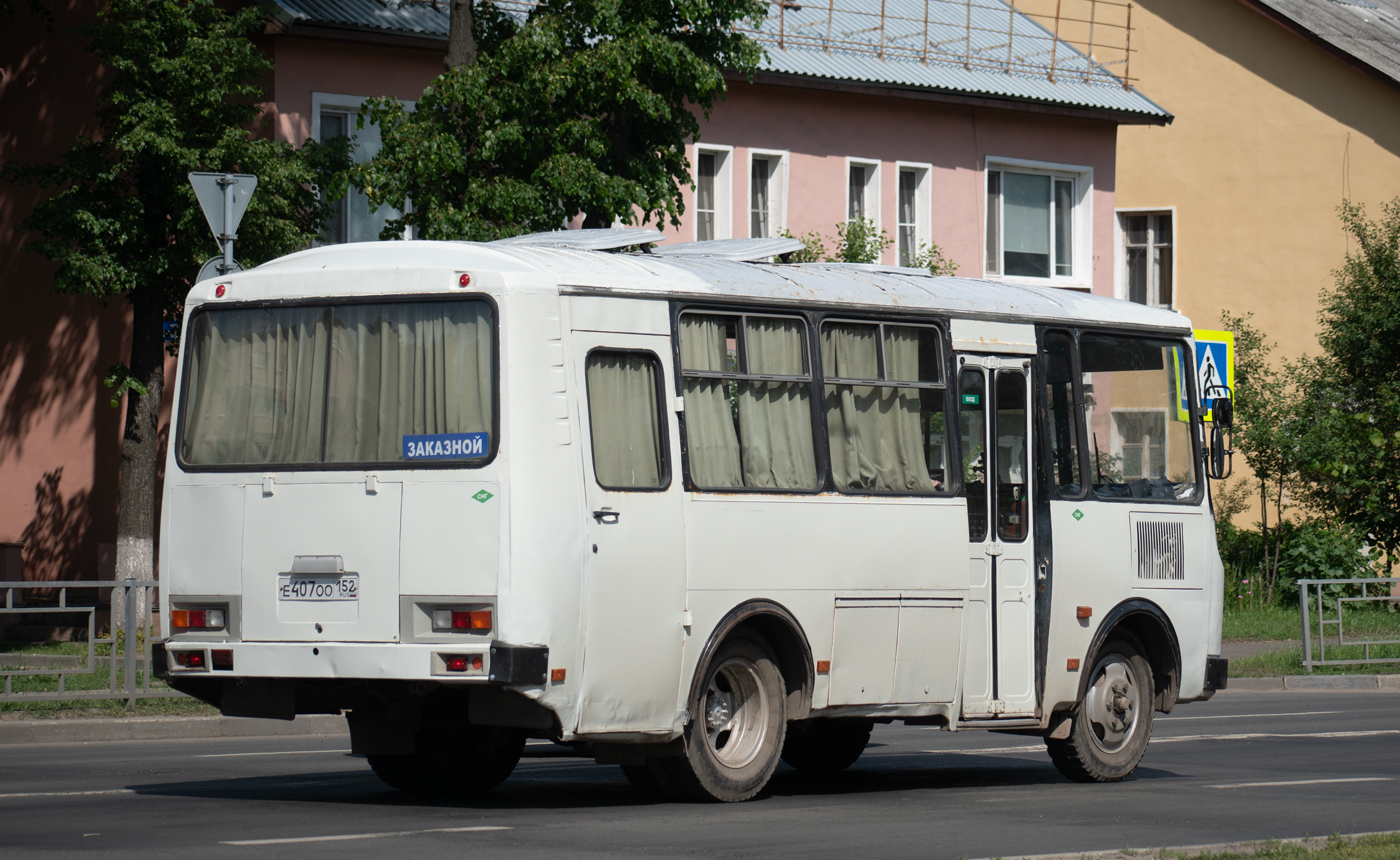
x=1161, y=551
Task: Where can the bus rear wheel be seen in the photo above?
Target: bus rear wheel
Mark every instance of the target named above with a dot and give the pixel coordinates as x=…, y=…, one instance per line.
x=453, y=757
x=825, y=746
x=733, y=743
x=1111, y=725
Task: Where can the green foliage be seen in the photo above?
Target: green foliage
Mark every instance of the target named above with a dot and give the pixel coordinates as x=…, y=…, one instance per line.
x=1350, y=446
x=121, y=380
x=1310, y=549
x=862, y=242
x=930, y=256
x=859, y=241
x=181, y=97
x=582, y=107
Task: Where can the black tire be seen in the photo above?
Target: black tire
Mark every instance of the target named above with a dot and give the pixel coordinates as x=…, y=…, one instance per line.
x=735, y=738
x=1111, y=725
x=453, y=757
x=825, y=746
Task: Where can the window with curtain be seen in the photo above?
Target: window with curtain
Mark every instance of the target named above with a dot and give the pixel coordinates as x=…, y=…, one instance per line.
x=1031, y=224
x=1135, y=407
x=885, y=412
x=705, y=196
x=908, y=212
x=625, y=420
x=748, y=410
x=1147, y=257
x=348, y=384
x=760, y=174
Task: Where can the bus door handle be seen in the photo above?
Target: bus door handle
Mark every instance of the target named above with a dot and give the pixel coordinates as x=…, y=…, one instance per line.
x=606, y=517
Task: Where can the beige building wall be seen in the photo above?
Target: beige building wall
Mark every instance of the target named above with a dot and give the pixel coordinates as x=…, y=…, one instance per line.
x=1271, y=134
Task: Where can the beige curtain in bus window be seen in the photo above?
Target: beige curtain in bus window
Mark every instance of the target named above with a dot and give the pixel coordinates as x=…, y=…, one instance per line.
x=404, y=369
x=624, y=419
x=775, y=418
x=876, y=443
x=712, y=442
x=256, y=387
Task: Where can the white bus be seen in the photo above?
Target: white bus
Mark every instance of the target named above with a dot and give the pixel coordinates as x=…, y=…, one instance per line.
x=699, y=511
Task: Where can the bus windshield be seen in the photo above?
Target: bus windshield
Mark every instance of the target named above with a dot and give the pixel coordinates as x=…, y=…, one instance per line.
x=343, y=385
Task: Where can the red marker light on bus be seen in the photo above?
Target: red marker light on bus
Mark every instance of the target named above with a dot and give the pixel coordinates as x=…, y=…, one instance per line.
x=455, y=662
x=465, y=280
x=220, y=290
x=190, y=659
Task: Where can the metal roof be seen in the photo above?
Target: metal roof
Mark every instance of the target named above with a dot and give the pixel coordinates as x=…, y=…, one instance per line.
x=699, y=277
x=839, y=45
x=1365, y=30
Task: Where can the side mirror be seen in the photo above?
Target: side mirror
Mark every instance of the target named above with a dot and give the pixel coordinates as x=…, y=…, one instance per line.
x=1223, y=413
x=1220, y=463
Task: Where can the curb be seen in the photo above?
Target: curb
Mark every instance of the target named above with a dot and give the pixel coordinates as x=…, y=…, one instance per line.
x=1317, y=682
x=1308, y=843
x=165, y=729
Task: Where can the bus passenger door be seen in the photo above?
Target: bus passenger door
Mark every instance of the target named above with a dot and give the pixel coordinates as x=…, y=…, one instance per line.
x=994, y=414
x=634, y=592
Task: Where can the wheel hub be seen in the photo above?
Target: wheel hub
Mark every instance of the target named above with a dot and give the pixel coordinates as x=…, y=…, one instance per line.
x=717, y=712
x=1111, y=702
x=736, y=713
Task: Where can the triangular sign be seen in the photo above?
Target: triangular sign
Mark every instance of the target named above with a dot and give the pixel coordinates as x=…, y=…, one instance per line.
x=211, y=198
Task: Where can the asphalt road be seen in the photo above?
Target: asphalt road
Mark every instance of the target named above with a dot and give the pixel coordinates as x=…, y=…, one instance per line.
x=1242, y=766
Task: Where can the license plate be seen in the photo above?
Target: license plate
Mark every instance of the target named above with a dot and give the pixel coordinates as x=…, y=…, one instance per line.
x=310, y=587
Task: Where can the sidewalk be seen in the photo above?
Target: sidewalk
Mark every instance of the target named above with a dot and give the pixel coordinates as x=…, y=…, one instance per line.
x=70, y=731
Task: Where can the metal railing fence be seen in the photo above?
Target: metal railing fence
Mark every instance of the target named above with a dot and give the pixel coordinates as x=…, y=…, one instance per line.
x=1312, y=595
x=129, y=662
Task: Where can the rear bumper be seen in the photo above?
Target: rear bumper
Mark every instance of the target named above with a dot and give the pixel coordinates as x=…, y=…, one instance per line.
x=501, y=663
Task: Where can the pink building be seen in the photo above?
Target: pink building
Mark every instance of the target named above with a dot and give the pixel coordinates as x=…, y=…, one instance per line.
x=984, y=133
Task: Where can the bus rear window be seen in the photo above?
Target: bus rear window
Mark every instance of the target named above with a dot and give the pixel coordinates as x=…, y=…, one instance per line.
x=341, y=385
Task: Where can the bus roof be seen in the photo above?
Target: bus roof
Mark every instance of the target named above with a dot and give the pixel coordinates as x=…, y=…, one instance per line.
x=827, y=285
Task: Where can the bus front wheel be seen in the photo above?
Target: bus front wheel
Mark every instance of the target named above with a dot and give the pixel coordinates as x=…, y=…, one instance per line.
x=735, y=738
x=1111, y=725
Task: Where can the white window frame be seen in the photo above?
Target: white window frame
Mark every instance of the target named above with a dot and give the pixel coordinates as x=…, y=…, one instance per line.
x=1082, y=248
x=347, y=104
x=724, y=189
x=872, y=188
x=1116, y=440
x=923, y=203
x=777, y=189
x=1120, y=250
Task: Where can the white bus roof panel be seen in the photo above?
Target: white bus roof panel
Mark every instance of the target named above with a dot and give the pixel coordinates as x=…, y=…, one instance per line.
x=701, y=277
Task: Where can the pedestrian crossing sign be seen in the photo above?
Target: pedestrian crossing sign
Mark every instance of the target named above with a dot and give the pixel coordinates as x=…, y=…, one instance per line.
x=1215, y=366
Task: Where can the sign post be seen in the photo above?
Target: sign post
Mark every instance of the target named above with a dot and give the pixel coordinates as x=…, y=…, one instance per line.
x=1215, y=366
x=224, y=198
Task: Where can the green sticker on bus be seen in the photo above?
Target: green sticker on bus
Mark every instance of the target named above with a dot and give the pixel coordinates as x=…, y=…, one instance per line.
x=1078, y=514
x=972, y=399
x=482, y=496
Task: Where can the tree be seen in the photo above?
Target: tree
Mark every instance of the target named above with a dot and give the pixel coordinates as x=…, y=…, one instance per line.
x=1351, y=393
x=1265, y=432
x=124, y=221
x=860, y=241
x=583, y=106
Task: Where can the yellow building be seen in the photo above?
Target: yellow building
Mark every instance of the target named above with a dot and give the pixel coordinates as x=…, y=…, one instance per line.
x=1283, y=109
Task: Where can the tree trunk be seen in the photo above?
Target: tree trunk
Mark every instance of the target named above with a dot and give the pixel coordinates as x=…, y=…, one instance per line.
x=140, y=457
x=1264, y=526
x=461, y=41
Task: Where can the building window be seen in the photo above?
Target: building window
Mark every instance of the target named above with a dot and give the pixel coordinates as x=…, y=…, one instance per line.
x=352, y=219
x=1147, y=257
x=912, y=212
x=1031, y=223
x=862, y=190
x=767, y=195
x=711, y=194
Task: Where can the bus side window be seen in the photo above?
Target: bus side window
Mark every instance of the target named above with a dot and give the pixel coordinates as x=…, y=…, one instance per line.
x=625, y=421
x=972, y=423
x=1011, y=459
x=1061, y=419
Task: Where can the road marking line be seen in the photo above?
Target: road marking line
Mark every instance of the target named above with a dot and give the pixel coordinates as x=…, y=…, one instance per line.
x=1244, y=736
x=1304, y=782
x=288, y=752
x=1242, y=716
x=348, y=836
x=67, y=793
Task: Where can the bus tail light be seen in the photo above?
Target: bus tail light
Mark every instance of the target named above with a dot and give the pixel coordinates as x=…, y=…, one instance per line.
x=461, y=619
x=221, y=659
x=462, y=662
x=190, y=659
x=196, y=619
